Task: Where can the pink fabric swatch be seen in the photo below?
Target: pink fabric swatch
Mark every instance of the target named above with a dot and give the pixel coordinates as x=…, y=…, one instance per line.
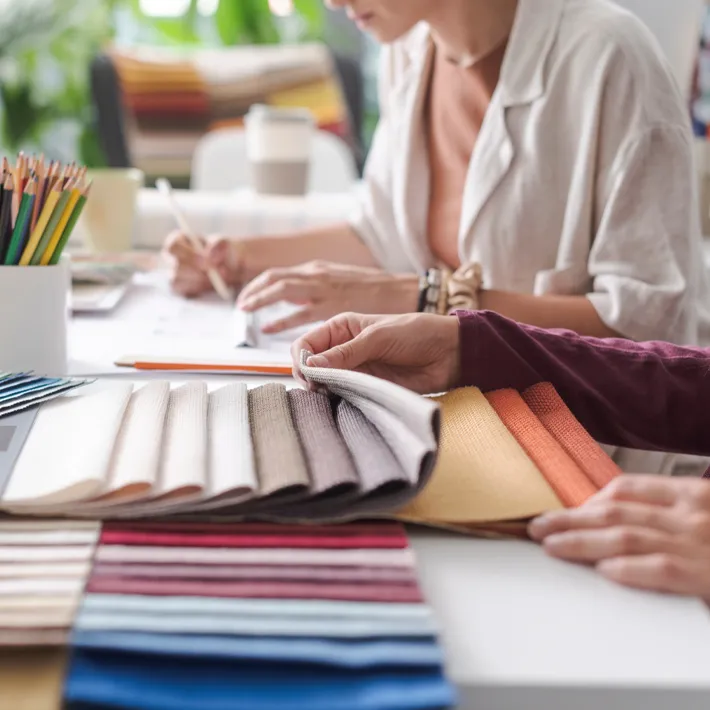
x=261, y=573
x=401, y=593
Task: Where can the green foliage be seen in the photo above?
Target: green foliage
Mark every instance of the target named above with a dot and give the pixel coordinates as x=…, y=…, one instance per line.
x=46, y=48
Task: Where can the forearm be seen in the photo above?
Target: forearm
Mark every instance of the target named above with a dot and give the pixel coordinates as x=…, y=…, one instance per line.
x=337, y=243
x=570, y=312
x=649, y=396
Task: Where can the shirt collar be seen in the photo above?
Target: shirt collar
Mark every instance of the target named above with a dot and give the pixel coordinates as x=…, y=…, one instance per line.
x=522, y=78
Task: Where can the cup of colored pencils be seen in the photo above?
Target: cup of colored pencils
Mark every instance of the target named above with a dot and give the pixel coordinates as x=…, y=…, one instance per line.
x=40, y=204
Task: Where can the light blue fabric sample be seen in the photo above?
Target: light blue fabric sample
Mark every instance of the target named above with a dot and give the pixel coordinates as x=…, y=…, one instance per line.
x=312, y=651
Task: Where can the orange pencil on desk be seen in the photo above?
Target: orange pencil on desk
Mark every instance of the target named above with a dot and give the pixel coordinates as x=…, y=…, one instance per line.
x=144, y=362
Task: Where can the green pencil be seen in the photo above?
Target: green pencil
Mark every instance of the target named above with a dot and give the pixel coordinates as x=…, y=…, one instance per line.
x=76, y=213
x=51, y=226
x=22, y=225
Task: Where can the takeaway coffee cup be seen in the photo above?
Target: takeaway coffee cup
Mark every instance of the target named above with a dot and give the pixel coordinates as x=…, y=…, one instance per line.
x=279, y=149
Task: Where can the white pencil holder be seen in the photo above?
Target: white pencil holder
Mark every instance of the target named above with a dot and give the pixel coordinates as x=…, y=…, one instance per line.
x=34, y=315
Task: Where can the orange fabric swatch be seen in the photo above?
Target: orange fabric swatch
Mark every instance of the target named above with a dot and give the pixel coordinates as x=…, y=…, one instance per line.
x=549, y=408
x=566, y=478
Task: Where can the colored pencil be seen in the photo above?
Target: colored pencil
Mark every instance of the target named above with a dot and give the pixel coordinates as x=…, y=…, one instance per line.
x=74, y=195
x=46, y=214
x=19, y=186
x=6, y=215
x=22, y=224
x=39, y=201
x=73, y=219
x=57, y=213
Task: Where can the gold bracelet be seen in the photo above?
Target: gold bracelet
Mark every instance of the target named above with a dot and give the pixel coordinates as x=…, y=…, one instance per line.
x=463, y=288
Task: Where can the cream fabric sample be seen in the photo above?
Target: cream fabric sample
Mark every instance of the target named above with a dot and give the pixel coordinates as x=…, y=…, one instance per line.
x=230, y=452
x=136, y=457
x=67, y=454
x=183, y=466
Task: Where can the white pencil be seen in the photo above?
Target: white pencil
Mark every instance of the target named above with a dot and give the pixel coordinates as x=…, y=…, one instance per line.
x=216, y=280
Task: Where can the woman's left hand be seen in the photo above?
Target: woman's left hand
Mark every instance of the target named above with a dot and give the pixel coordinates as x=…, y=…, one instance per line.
x=645, y=532
x=325, y=290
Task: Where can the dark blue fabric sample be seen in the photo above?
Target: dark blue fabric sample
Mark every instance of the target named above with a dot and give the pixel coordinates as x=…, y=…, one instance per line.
x=119, y=681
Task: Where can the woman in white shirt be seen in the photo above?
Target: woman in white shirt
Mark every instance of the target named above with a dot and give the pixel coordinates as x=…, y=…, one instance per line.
x=545, y=140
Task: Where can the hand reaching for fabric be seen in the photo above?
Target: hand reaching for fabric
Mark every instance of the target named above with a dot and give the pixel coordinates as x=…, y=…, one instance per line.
x=326, y=289
x=417, y=351
x=646, y=532
x=190, y=266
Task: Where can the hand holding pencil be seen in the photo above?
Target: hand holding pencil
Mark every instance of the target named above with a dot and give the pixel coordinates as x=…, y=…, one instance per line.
x=215, y=278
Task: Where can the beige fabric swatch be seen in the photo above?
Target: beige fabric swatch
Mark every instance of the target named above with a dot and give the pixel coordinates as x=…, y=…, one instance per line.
x=329, y=462
x=32, y=679
x=482, y=473
x=280, y=463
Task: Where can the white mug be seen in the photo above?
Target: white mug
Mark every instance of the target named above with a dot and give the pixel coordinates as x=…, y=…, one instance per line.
x=106, y=224
x=34, y=313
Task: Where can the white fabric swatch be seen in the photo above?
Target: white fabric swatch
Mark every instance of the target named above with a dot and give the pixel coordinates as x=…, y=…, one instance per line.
x=270, y=556
x=67, y=453
x=134, y=467
x=230, y=454
x=183, y=466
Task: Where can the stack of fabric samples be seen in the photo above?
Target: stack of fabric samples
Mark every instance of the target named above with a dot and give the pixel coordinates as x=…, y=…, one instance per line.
x=44, y=566
x=368, y=448
x=210, y=617
x=172, y=99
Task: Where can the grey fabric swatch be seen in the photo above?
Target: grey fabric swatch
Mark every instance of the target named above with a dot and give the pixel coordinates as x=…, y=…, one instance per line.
x=329, y=462
x=280, y=463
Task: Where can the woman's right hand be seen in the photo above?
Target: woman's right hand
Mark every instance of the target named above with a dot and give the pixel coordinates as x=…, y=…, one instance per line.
x=189, y=266
x=417, y=351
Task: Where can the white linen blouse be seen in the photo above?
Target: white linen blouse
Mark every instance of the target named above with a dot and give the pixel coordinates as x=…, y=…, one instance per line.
x=582, y=180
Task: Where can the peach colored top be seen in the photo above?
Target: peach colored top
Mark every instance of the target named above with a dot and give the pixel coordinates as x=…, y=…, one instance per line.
x=457, y=103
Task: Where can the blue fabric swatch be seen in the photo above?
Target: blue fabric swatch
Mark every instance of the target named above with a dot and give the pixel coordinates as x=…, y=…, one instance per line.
x=136, y=682
x=308, y=651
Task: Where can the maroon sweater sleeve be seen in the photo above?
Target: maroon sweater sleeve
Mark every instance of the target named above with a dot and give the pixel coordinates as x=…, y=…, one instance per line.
x=651, y=396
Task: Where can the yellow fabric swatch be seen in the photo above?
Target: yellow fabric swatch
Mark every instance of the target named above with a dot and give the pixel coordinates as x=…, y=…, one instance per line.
x=482, y=474
x=32, y=678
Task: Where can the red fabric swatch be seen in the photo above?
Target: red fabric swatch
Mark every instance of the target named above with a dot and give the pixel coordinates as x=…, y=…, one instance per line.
x=395, y=593
x=158, y=539
x=378, y=529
